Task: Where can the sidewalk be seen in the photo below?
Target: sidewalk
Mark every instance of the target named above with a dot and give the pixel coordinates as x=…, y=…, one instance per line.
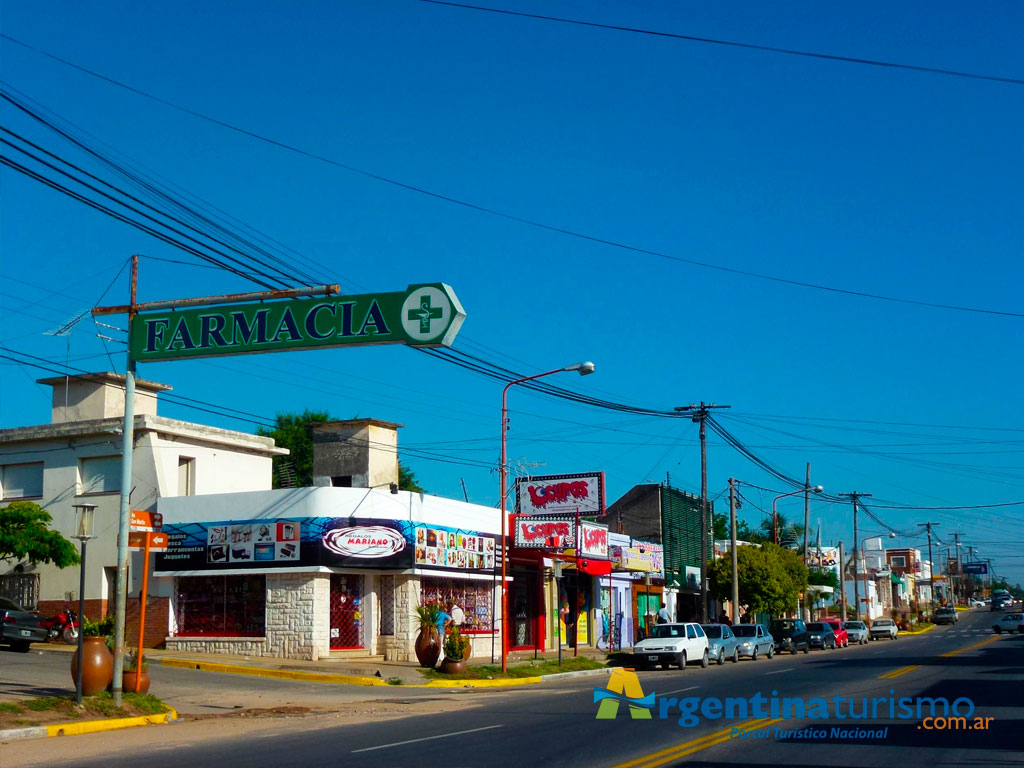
x=363, y=671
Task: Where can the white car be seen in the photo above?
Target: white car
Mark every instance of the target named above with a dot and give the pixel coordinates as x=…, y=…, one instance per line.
x=1009, y=622
x=857, y=631
x=669, y=644
x=884, y=628
x=977, y=603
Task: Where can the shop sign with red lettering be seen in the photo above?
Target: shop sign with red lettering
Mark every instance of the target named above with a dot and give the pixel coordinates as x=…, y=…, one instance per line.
x=548, y=532
x=556, y=494
x=594, y=540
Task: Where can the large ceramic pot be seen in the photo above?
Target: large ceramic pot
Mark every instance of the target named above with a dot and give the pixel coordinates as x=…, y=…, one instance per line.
x=97, y=666
x=128, y=682
x=428, y=647
x=450, y=667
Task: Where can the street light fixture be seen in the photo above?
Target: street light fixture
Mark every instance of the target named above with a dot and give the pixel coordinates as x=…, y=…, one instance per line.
x=584, y=368
x=84, y=517
x=775, y=514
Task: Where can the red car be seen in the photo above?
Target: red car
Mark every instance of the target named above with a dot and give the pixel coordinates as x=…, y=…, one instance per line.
x=842, y=636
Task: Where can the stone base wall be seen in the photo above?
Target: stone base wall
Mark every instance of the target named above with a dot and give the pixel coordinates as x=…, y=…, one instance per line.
x=297, y=622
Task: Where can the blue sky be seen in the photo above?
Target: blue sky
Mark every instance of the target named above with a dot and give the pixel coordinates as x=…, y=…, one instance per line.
x=862, y=178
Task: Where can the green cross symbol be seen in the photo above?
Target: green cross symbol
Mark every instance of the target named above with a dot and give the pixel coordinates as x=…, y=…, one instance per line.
x=425, y=314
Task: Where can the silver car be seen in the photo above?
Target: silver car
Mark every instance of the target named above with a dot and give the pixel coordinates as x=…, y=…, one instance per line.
x=857, y=631
x=722, y=643
x=754, y=640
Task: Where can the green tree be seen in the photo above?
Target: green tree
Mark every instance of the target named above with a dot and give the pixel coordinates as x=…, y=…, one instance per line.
x=721, y=526
x=25, y=535
x=294, y=432
x=771, y=578
x=790, y=534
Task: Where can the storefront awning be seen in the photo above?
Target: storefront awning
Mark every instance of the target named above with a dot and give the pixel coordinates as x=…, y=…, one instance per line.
x=595, y=567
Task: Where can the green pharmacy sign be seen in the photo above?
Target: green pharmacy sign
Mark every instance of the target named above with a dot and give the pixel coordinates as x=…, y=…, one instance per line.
x=423, y=316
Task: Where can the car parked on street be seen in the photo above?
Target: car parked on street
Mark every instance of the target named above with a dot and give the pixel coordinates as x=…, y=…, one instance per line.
x=790, y=635
x=857, y=631
x=842, y=636
x=884, y=628
x=722, y=643
x=754, y=640
x=1009, y=622
x=945, y=615
x=675, y=644
x=20, y=628
x=821, y=636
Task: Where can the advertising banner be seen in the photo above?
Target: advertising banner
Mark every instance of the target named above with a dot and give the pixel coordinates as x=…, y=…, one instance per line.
x=544, y=532
x=548, y=494
x=976, y=568
x=594, y=540
x=823, y=558
x=323, y=541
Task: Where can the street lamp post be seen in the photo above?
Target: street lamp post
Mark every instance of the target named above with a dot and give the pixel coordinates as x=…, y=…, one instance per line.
x=583, y=368
x=775, y=514
x=84, y=514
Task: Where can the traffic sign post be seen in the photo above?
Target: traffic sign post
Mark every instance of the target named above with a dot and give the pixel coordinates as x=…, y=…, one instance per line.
x=145, y=534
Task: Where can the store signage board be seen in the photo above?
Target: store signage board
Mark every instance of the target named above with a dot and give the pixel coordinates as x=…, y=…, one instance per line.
x=324, y=542
x=146, y=521
x=544, y=532
x=594, y=540
x=554, y=494
x=427, y=315
x=157, y=540
x=978, y=569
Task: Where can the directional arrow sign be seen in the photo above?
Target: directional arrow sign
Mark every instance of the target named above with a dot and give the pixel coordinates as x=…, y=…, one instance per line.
x=146, y=521
x=157, y=540
x=422, y=315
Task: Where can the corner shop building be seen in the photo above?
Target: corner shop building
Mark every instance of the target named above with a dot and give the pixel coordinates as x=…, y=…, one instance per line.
x=301, y=572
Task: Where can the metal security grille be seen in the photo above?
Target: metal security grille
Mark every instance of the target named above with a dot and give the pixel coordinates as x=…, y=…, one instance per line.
x=346, y=611
x=387, y=605
x=22, y=588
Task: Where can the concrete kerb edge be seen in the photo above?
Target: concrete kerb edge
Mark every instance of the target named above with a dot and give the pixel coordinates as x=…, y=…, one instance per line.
x=89, y=726
x=577, y=673
x=329, y=677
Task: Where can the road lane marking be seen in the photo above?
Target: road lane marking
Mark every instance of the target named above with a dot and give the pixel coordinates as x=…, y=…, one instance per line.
x=971, y=647
x=680, y=690
x=426, y=738
x=779, y=671
x=899, y=672
x=672, y=754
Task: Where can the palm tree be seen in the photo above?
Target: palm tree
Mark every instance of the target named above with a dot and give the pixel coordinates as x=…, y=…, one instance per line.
x=790, y=534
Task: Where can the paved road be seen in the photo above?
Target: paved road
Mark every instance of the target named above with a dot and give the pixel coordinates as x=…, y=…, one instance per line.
x=556, y=725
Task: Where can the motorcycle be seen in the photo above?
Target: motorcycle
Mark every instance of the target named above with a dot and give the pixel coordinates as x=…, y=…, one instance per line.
x=63, y=625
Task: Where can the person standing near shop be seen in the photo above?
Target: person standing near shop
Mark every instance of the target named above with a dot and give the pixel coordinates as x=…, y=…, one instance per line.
x=457, y=614
x=663, y=615
x=442, y=622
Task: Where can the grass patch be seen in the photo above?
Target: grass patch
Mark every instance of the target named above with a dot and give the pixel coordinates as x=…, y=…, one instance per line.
x=528, y=669
x=11, y=709
x=394, y=681
x=48, y=710
x=46, y=703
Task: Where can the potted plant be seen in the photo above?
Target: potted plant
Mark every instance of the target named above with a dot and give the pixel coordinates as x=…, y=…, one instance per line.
x=456, y=651
x=428, y=641
x=97, y=661
x=132, y=669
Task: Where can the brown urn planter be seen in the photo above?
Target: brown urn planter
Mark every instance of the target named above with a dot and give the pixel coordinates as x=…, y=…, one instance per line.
x=128, y=682
x=428, y=647
x=97, y=666
x=450, y=667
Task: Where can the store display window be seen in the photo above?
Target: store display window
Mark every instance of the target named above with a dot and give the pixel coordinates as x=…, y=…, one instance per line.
x=475, y=598
x=221, y=606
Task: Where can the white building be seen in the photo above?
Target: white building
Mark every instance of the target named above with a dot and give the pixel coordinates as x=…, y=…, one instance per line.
x=76, y=458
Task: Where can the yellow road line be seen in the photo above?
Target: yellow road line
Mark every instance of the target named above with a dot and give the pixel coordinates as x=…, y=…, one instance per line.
x=899, y=672
x=695, y=745
x=971, y=647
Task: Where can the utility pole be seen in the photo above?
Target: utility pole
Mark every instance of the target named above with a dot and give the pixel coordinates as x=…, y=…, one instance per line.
x=733, y=506
x=931, y=565
x=699, y=414
x=959, y=569
x=842, y=580
x=807, y=525
x=854, y=495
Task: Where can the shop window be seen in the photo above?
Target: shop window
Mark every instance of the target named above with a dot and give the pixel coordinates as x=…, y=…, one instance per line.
x=387, y=605
x=21, y=481
x=222, y=606
x=898, y=561
x=100, y=474
x=475, y=598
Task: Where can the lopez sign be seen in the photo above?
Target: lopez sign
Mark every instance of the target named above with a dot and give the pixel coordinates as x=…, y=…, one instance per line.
x=561, y=493
x=422, y=315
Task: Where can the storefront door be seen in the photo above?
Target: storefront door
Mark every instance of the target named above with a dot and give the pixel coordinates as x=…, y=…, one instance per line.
x=647, y=606
x=346, y=611
x=523, y=610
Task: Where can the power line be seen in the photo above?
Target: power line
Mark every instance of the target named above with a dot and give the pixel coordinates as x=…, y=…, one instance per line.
x=508, y=216
x=734, y=44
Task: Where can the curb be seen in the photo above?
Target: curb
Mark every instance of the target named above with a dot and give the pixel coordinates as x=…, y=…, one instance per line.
x=89, y=726
x=328, y=677
x=577, y=673
x=917, y=631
